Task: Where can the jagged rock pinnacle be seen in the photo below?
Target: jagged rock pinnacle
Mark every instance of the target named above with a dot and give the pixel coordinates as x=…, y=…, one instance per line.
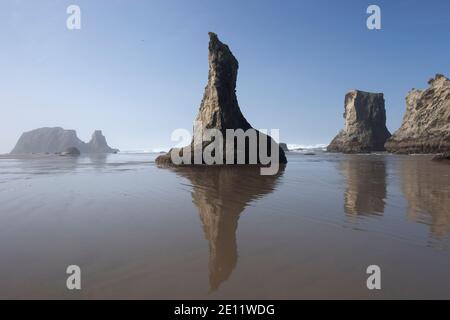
x=219, y=108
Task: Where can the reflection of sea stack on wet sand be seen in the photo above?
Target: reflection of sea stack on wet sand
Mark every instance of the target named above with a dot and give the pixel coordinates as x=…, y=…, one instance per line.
x=427, y=191
x=219, y=108
x=221, y=194
x=366, y=185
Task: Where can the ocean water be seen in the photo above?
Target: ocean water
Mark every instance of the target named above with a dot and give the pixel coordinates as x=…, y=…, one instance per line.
x=139, y=231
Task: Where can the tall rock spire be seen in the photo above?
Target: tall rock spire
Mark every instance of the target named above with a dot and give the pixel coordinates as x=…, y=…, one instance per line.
x=219, y=108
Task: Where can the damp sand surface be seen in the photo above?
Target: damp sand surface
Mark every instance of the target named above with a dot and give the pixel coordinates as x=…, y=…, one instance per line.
x=139, y=231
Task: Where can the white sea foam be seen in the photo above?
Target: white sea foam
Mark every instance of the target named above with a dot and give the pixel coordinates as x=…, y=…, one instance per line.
x=291, y=146
x=136, y=151
x=299, y=147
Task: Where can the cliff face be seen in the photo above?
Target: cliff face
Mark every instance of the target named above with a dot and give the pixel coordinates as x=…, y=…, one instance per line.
x=365, y=124
x=219, y=108
x=426, y=124
x=57, y=140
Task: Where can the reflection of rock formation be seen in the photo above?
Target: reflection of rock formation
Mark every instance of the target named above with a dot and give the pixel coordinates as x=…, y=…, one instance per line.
x=98, y=160
x=427, y=189
x=221, y=194
x=366, y=185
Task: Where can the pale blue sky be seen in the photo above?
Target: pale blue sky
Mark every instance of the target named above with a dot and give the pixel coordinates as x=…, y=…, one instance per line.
x=137, y=69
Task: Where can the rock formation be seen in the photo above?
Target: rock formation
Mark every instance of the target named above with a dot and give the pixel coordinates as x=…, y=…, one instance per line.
x=98, y=144
x=284, y=147
x=219, y=108
x=426, y=123
x=442, y=157
x=58, y=140
x=365, y=124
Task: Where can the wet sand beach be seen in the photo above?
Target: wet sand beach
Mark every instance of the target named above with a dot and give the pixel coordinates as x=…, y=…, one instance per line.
x=139, y=231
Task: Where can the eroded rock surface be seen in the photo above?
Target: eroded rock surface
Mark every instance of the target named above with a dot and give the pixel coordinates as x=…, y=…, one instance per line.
x=365, y=124
x=426, y=123
x=219, y=108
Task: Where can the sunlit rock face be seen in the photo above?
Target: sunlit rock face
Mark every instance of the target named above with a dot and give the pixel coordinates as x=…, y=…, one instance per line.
x=219, y=108
x=426, y=123
x=365, y=124
x=221, y=194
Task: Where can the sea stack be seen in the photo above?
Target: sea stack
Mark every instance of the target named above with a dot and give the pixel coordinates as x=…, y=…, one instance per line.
x=59, y=140
x=426, y=123
x=365, y=124
x=98, y=144
x=219, y=108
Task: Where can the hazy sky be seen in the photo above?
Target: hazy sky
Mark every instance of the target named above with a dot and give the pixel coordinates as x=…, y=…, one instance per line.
x=137, y=69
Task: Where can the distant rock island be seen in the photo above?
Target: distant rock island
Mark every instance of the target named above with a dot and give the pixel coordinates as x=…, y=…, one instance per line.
x=58, y=140
x=365, y=124
x=426, y=124
x=219, y=108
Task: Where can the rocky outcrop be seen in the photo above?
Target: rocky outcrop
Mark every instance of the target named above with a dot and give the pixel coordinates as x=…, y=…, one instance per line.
x=58, y=140
x=219, y=108
x=426, y=123
x=98, y=144
x=284, y=147
x=443, y=157
x=365, y=124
